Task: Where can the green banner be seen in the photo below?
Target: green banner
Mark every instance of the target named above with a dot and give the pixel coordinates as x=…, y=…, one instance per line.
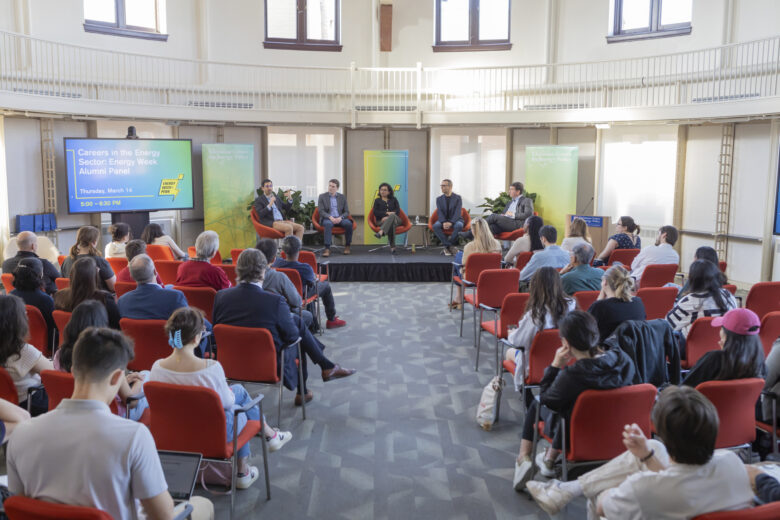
x=392, y=167
x=551, y=173
x=228, y=186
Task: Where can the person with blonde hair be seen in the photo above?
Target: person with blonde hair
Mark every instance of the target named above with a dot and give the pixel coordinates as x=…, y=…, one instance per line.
x=616, y=302
x=86, y=245
x=483, y=243
x=578, y=234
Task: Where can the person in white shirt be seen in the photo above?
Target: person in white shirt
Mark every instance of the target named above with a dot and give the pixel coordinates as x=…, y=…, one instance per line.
x=578, y=234
x=661, y=253
x=120, y=235
x=154, y=235
x=81, y=454
x=678, y=479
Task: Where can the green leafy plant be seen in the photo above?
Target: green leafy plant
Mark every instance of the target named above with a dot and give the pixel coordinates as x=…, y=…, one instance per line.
x=498, y=204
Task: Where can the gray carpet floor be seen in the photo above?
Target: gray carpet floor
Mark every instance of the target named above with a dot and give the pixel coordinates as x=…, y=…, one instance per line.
x=398, y=439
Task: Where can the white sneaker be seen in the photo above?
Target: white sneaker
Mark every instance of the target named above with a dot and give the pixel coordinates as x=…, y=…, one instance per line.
x=276, y=443
x=244, y=481
x=546, y=467
x=549, y=495
x=522, y=473
x=446, y=251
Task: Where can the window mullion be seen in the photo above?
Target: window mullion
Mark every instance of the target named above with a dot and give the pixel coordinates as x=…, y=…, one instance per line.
x=655, y=15
x=474, y=22
x=121, y=19
x=301, y=28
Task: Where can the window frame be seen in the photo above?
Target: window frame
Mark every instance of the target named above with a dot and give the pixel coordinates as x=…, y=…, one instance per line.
x=473, y=43
x=120, y=27
x=301, y=42
x=654, y=28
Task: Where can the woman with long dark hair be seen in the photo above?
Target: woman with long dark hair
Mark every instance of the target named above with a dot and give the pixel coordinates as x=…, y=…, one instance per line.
x=387, y=213
x=706, y=297
x=153, y=234
x=529, y=242
x=86, y=246
x=120, y=235
x=627, y=237
x=84, y=286
x=29, y=285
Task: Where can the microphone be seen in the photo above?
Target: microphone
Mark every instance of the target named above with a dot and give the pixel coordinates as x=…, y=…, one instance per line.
x=588, y=204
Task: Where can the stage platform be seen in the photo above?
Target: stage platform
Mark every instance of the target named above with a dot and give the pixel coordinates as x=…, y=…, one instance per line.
x=425, y=265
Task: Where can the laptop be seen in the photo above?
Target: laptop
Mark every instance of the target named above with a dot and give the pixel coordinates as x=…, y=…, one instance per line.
x=181, y=473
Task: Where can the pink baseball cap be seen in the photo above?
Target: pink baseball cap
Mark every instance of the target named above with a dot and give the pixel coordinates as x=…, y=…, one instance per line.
x=739, y=321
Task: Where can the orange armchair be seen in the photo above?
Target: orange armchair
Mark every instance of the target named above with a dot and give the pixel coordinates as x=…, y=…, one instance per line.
x=264, y=231
x=464, y=214
x=405, y=226
x=315, y=219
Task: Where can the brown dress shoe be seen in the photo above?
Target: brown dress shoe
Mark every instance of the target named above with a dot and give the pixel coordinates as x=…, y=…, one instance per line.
x=326, y=253
x=347, y=251
x=299, y=401
x=336, y=373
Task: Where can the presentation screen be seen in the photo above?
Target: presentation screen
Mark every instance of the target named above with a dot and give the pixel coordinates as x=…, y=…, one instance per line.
x=123, y=175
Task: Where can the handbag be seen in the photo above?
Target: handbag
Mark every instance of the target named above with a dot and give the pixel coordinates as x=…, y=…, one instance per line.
x=486, y=411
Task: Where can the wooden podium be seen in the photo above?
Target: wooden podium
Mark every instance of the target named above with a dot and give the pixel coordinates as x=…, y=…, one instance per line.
x=600, y=229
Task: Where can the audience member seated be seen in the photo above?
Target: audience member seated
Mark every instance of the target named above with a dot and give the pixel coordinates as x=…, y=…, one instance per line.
x=772, y=381
x=680, y=476
x=448, y=209
x=702, y=253
x=10, y=417
x=86, y=242
x=199, y=271
x=662, y=252
x=102, y=460
x=483, y=243
x=153, y=234
x=248, y=305
x=27, y=242
x=182, y=367
x=280, y=283
x=593, y=369
x=334, y=211
x=578, y=234
x=706, y=298
x=550, y=256
x=292, y=247
x=616, y=302
x=579, y=275
x=132, y=249
x=29, y=286
x=515, y=213
x=23, y=362
x=529, y=242
x=627, y=237
x=546, y=307
x=270, y=210
x=120, y=235
x=84, y=286
x=741, y=354
x=387, y=214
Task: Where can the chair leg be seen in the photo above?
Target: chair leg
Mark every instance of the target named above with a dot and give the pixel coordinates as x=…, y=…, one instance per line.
x=233, y=470
x=474, y=320
x=300, y=379
x=452, y=289
x=478, y=337
x=564, y=468
x=498, y=356
x=281, y=387
x=462, y=311
x=265, y=456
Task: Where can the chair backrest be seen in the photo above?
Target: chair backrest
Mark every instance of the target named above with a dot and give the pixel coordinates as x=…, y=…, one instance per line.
x=117, y=263
x=247, y=354
x=599, y=416
x=23, y=508
x=658, y=301
x=478, y=262
x=150, y=341
x=234, y=255
x=722, y=266
x=624, y=256
x=763, y=297
x=8, y=282
x=295, y=278
x=200, y=297
x=62, y=283
x=541, y=354
x=522, y=259
x=39, y=332
x=770, y=331
x=307, y=257
x=230, y=272
x=658, y=275
x=193, y=253
x=261, y=230
x=585, y=299
x=702, y=338
x=58, y=385
x=494, y=284
x=124, y=287
x=187, y=418
x=7, y=387
x=61, y=319
x=512, y=309
x=735, y=401
x=168, y=270
x=770, y=511
x=730, y=287
x=60, y=259
x=159, y=252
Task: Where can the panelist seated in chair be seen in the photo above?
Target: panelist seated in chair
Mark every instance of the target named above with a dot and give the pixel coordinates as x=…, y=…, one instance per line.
x=334, y=211
x=103, y=461
x=280, y=283
x=248, y=305
x=514, y=214
x=270, y=210
x=680, y=476
x=387, y=214
x=448, y=208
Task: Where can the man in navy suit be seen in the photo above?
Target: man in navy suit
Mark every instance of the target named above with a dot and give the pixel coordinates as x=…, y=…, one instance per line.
x=248, y=305
x=448, y=206
x=270, y=210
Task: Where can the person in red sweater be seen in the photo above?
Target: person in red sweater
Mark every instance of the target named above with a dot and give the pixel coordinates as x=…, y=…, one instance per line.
x=199, y=272
x=132, y=249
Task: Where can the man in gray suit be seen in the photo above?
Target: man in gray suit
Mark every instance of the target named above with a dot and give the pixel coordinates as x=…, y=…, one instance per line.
x=334, y=212
x=514, y=214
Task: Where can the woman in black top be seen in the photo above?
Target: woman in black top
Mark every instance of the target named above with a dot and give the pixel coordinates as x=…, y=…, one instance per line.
x=386, y=213
x=616, y=302
x=85, y=246
x=84, y=286
x=29, y=286
x=740, y=356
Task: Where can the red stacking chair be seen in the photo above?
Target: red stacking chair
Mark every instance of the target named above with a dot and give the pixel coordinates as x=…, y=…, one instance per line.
x=540, y=356
x=511, y=235
x=168, y=270
x=199, y=297
x=770, y=331
x=730, y=287
x=512, y=309
x=60, y=259
x=702, y=338
x=193, y=253
x=150, y=340
x=230, y=272
x=477, y=262
x=405, y=226
x=295, y=278
x=307, y=257
x=337, y=230
x=39, y=332
x=597, y=418
x=464, y=214
x=62, y=283
x=770, y=511
x=234, y=255
x=763, y=297
x=492, y=286
x=658, y=301
x=264, y=231
x=658, y=275
x=522, y=260
x=722, y=266
x=770, y=428
x=191, y=419
x=248, y=355
x=23, y=508
x=117, y=263
x=735, y=401
x=59, y=386
x=586, y=298
x=624, y=256
x=7, y=387
x=61, y=319
x=159, y=252
x=8, y=282
x=120, y=288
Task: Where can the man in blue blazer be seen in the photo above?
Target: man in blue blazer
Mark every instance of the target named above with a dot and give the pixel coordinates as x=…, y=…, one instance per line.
x=270, y=210
x=448, y=207
x=334, y=211
x=248, y=305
